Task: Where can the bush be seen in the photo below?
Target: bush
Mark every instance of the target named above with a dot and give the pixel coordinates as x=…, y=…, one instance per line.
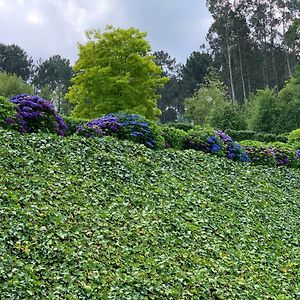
x=215, y=142
x=35, y=114
x=204, y=139
x=241, y=135
x=11, y=85
x=73, y=124
x=174, y=138
x=124, y=126
x=182, y=126
x=233, y=150
x=263, y=111
x=104, y=126
x=6, y=111
x=294, y=136
x=275, y=154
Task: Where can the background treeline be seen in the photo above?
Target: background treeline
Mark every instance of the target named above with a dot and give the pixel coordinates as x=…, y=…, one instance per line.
x=238, y=82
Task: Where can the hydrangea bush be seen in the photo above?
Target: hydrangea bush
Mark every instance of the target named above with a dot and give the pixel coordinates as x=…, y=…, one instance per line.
x=275, y=154
x=35, y=114
x=215, y=142
x=233, y=150
x=125, y=126
x=106, y=125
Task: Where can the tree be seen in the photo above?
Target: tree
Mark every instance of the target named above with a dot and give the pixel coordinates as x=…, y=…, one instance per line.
x=289, y=104
x=194, y=71
x=207, y=100
x=54, y=73
x=115, y=72
x=11, y=85
x=14, y=60
x=168, y=102
x=263, y=111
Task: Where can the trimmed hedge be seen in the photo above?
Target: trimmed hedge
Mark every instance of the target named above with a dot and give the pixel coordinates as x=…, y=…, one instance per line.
x=241, y=135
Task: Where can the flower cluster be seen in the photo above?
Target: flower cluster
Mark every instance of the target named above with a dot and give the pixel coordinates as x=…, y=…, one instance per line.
x=214, y=144
x=123, y=126
x=106, y=125
x=273, y=156
x=36, y=114
x=233, y=150
x=137, y=129
x=205, y=140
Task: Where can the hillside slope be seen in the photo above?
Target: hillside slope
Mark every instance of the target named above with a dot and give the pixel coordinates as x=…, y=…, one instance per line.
x=103, y=219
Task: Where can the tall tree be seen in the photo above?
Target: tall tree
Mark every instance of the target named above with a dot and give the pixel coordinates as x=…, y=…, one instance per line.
x=168, y=102
x=115, y=72
x=14, y=60
x=55, y=74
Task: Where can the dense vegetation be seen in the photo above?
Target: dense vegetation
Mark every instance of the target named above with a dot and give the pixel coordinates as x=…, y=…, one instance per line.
x=106, y=219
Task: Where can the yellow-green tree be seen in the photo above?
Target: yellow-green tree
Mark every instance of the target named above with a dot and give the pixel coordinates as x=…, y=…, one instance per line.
x=115, y=72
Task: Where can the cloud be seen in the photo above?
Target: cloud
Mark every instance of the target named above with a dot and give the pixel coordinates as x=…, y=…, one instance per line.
x=49, y=27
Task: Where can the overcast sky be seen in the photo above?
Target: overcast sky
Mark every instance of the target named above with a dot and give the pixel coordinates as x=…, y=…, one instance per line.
x=47, y=27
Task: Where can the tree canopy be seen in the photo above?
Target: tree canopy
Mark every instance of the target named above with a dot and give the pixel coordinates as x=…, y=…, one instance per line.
x=115, y=72
x=14, y=60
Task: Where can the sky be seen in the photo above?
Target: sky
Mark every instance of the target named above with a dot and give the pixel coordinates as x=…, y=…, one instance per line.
x=48, y=27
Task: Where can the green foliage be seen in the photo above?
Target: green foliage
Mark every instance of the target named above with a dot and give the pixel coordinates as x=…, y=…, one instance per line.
x=241, y=135
x=209, y=105
x=227, y=116
x=11, y=85
x=263, y=111
x=7, y=110
x=294, y=136
x=14, y=60
x=289, y=100
x=272, y=154
x=183, y=126
x=174, y=137
x=107, y=219
x=73, y=124
x=114, y=73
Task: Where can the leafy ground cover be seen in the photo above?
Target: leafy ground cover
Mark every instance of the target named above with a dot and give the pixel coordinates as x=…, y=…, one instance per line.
x=107, y=219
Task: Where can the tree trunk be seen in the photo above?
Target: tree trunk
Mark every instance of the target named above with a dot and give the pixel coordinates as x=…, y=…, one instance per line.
x=230, y=73
x=242, y=72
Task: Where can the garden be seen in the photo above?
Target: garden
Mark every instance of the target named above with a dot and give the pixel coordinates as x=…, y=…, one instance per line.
x=120, y=207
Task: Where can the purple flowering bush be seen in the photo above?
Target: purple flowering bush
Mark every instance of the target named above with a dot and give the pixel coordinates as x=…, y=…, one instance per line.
x=106, y=125
x=275, y=154
x=205, y=140
x=35, y=114
x=215, y=142
x=124, y=126
x=233, y=150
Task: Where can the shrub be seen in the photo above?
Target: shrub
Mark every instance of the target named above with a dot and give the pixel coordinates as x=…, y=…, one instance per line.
x=73, y=124
x=6, y=111
x=294, y=136
x=124, y=126
x=182, y=126
x=11, y=85
x=204, y=139
x=233, y=150
x=35, y=114
x=106, y=125
x=174, y=138
x=275, y=154
x=241, y=135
